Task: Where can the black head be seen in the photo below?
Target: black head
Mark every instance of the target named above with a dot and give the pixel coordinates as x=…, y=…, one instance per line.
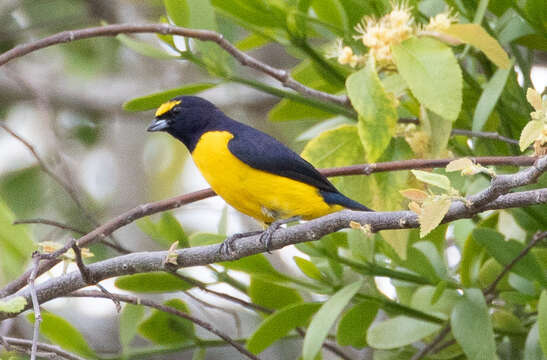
x=186, y=118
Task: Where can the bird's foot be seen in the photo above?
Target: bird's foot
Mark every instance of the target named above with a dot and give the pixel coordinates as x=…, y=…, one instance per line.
x=266, y=236
x=227, y=246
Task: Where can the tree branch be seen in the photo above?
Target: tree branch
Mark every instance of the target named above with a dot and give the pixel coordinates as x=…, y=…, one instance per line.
x=168, y=309
x=151, y=208
x=485, y=134
x=282, y=76
x=310, y=231
x=9, y=342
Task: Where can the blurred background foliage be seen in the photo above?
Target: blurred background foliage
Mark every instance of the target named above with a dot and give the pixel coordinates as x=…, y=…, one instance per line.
x=67, y=102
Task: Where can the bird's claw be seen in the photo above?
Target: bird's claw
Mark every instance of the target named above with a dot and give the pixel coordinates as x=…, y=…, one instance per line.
x=227, y=246
x=266, y=236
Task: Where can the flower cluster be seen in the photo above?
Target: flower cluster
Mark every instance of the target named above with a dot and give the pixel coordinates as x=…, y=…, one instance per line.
x=379, y=35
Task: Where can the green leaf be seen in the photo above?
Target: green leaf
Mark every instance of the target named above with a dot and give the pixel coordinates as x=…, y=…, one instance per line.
x=202, y=239
x=532, y=348
x=399, y=331
x=424, y=299
x=430, y=178
x=251, y=42
x=256, y=264
x=288, y=110
x=130, y=317
x=154, y=100
x=199, y=14
x=542, y=321
x=159, y=282
x=489, y=98
x=270, y=295
x=13, y=305
x=165, y=231
x=341, y=147
x=432, y=73
x=16, y=245
x=505, y=251
x=475, y=35
x=331, y=12
x=279, y=324
x=308, y=268
x=325, y=318
x=472, y=328
x=531, y=132
x=438, y=128
x=424, y=259
x=376, y=109
x=167, y=329
x=353, y=326
x=145, y=49
x=178, y=11
x=62, y=333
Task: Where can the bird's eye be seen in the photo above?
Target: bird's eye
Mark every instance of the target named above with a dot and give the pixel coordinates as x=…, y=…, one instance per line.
x=175, y=110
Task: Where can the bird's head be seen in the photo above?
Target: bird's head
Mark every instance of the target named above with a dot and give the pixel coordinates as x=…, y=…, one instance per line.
x=183, y=116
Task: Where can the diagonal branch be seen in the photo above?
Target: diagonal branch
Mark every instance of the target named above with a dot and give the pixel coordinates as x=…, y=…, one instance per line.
x=168, y=309
x=163, y=205
x=282, y=76
x=24, y=345
x=310, y=231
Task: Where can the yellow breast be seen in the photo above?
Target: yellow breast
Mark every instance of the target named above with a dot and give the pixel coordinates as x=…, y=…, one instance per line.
x=266, y=197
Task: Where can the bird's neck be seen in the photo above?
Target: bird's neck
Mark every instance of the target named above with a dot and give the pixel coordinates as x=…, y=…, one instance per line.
x=197, y=127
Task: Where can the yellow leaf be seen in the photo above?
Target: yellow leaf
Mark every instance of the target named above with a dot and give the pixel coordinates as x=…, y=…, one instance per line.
x=414, y=194
x=430, y=178
x=460, y=164
x=530, y=133
x=475, y=35
x=534, y=98
x=433, y=212
x=415, y=207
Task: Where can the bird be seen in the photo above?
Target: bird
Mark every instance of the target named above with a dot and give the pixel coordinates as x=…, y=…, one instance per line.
x=252, y=171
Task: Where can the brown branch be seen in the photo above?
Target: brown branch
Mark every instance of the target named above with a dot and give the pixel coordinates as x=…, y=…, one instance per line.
x=51, y=223
x=24, y=345
x=283, y=76
x=436, y=341
x=67, y=187
x=146, y=302
x=486, y=135
x=163, y=205
x=488, y=292
x=152, y=261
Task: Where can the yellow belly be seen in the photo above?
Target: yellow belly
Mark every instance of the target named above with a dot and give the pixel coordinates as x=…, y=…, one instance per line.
x=259, y=194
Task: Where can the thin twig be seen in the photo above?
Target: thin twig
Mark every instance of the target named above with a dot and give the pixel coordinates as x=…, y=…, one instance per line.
x=163, y=205
x=485, y=134
x=146, y=302
x=35, y=305
x=51, y=223
x=283, y=76
x=67, y=187
x=10, y=342
x=426, y=349
x=488, y=292
x=87, y=275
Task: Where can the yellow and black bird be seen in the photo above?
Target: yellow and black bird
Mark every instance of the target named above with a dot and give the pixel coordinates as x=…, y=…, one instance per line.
x=250, y=170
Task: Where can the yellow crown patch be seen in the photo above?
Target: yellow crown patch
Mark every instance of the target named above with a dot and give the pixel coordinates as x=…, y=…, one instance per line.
x=165, y=107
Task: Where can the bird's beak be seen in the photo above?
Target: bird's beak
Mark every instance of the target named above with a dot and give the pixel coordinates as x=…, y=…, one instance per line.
x=158, y=125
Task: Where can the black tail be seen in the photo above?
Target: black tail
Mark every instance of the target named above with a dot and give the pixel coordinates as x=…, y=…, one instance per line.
x=339, y=199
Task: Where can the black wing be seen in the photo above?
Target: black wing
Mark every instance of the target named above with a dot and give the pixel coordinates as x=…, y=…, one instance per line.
x=265, y=153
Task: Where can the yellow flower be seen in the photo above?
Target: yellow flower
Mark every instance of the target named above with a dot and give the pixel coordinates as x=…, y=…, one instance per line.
x=441, y=21
x=380, y=34
x=344, y=54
